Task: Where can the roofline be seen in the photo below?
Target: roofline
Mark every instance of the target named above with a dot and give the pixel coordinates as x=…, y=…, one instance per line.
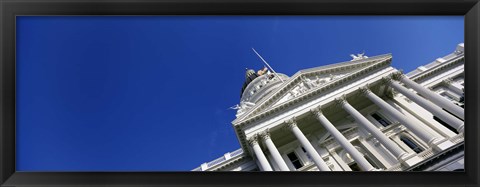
x=301, y=72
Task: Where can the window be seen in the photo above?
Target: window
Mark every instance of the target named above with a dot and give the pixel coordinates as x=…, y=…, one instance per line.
x=411, y=144
x=354, y=166
x=448, y=96
x=294, y=159
x=308, y=155
x=382, y=121
x=445, y=124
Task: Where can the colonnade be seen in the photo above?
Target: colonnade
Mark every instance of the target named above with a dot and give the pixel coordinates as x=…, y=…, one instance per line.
x=425, y=98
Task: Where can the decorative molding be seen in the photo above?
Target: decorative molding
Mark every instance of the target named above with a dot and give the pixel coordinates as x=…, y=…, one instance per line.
x=390, y=93
x=447, y=82
x=386, y=80
x=458, y=52
x=253, y=141
x=363, y=91
x=265, y=134
x=330, y=165
x=434, y=70
x=397, y=76
x=227, y=163
x=291, y=123
x=317, y=111
x=341, y=101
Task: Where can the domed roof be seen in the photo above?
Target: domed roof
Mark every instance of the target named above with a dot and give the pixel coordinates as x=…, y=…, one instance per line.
x=255, y=86
x=250, y=75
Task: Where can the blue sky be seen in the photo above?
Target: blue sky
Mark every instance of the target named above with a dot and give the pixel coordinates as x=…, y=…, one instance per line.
x=151, y=93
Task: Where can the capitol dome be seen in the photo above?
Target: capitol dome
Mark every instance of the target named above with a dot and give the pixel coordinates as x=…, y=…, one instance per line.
x=256, y=87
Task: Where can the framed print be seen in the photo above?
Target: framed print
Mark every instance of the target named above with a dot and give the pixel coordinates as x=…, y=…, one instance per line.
x=252, y=93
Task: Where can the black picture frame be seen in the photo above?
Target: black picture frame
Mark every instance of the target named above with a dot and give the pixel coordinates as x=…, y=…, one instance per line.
x=11, y=8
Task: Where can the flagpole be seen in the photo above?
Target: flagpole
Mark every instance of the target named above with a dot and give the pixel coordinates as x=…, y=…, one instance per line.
x=267, y=64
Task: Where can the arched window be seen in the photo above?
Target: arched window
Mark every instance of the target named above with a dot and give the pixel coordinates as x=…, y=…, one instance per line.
x=411, y=144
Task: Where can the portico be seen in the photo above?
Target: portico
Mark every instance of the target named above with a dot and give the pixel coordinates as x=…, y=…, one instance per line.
x=404, y=157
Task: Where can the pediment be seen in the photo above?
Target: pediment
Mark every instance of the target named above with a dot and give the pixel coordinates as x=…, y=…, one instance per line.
x=307, y=81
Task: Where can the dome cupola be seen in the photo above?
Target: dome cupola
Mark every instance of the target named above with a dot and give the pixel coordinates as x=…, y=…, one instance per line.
x=256, y=86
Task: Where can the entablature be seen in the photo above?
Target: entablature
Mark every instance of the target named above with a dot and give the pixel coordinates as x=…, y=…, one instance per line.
x=427, y=74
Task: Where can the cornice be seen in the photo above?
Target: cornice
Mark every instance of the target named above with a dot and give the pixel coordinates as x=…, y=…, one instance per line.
x=433, y=71
x=229, y=162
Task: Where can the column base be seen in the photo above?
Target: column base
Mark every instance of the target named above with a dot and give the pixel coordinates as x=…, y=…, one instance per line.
x=435, y=141
x=442, y=145
x=410, y=159
x=461, y=129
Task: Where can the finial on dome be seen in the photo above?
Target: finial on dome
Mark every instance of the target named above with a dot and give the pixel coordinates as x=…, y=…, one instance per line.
x=249, y=73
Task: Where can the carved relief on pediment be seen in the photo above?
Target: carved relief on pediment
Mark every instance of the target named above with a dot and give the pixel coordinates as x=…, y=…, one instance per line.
x=306, y=84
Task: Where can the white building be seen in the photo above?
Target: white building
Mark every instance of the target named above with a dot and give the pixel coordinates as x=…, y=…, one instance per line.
x=357, y=115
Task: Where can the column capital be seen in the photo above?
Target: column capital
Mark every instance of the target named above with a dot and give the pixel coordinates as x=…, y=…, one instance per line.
x=398, y=75
x=391, y=93
x=447, y=81
x=253, y=140
x=317, y=111
x=341, y=101
x=265, y=134
x=291, y=123
x=364, y=90
x=386, y=80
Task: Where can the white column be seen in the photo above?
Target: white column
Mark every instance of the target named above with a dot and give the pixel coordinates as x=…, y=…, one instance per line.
x=361, y=120
x=450, y=85
x=421, y=133
x=435, y=110
x=432, y=96
x=274, y=152
x=349, y=148
x=264, y=165
x=321, y=165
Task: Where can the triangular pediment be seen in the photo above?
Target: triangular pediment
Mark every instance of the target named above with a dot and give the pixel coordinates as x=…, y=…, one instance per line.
x=306, y=81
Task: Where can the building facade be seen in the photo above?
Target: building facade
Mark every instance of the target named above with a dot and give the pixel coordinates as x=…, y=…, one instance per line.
x=359, y=115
